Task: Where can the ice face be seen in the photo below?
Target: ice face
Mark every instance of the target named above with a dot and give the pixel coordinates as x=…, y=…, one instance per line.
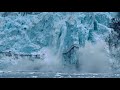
x=59, y=32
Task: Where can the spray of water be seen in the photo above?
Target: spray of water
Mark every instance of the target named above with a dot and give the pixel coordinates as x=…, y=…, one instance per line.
x=49, y=62
x=94, y=58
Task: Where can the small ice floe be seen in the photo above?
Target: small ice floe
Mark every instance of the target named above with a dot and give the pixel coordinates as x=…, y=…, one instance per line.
x=58, y=75
x=69, y=76
x=117, y=75
x=78, y=74
x=1, y=71
x=32, y=72
x=34, y=76
x=9, y=71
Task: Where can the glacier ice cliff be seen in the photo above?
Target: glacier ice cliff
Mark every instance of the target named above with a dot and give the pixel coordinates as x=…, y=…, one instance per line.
x=65, y=41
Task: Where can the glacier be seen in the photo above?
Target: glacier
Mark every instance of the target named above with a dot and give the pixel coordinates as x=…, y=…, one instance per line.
x=62, y=42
